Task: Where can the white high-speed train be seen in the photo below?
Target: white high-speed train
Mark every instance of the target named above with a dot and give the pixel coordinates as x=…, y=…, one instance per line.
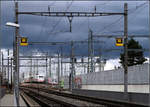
x=40, y=79
x=37, y=78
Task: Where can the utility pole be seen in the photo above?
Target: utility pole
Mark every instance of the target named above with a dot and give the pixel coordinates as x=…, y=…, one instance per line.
x=16, y=55
x=88, y=67
x=58, y=71
x=0, y=53
x=149, y=54
x=33, y=69
x=65, y=71
x=0, y=71
x=90, y=52
x=50, y=67
x=8, y=69
x=61, y=61
x=0, y=61
x=99, y=63
x=2, y=66
x=72, y=67
x=126, y=51
x=84, y=68
x=5, y=72
x=11, y=75
x=30, y=74
x=37, y=68
x=46, y=70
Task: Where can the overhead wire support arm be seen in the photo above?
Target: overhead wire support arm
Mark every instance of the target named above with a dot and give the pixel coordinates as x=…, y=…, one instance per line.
x=71, y=14
x=60, y=43
x=47, y=43
x=122, y=50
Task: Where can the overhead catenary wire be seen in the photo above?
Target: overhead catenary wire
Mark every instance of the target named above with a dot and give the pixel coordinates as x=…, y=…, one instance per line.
x=45, y=20
x=137, y=7
x=60, y=18
x=109, y=25
x=131, y=12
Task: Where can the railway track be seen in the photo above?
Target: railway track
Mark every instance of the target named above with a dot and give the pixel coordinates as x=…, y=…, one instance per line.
x=47, y=97
x=53, y=100
x=29, y=101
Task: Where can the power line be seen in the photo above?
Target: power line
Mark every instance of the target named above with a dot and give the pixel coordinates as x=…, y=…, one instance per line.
x=137, y=7
x=118, y=20
x=109, y=25
x=60, y=18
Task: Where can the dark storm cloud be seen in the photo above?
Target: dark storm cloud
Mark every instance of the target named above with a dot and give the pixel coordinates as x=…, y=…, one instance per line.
x=41, y=28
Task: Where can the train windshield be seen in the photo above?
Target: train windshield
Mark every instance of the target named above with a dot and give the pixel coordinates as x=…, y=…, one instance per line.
x=40, y=76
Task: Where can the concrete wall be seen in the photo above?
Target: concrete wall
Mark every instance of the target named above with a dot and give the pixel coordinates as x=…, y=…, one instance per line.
x=136, y=75
x=120, y=88
x=113, y=80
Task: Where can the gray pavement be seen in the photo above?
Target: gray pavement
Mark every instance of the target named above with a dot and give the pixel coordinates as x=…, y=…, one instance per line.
x=8, y=101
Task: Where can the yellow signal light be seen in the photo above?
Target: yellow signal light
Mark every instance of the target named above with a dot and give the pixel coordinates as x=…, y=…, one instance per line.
x=24, y=41
x=119, y=42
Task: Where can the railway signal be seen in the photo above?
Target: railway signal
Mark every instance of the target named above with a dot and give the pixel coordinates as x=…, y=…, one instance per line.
x=24, y=41
x=119, y=42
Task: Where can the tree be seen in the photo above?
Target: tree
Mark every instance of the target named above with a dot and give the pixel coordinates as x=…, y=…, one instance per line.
x=134, y=57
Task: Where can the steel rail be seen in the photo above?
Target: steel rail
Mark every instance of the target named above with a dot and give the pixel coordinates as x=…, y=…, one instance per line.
x=40, y=99
x=30, y=102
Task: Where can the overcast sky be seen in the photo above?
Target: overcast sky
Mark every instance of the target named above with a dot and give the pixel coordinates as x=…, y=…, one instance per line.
x=49, y=29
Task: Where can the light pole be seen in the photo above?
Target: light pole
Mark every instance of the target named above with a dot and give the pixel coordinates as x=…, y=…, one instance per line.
x=16, y=60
